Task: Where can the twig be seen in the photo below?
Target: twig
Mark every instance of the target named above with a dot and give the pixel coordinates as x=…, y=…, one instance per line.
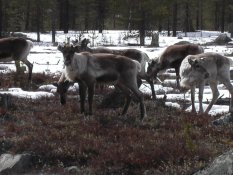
x=47, y=63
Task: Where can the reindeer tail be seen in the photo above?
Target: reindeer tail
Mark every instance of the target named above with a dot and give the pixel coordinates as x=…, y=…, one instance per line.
x=26, y=50
x=231, y=61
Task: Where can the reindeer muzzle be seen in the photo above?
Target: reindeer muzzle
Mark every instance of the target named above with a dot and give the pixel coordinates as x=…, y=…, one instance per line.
x=67, y=62
x=207, y=75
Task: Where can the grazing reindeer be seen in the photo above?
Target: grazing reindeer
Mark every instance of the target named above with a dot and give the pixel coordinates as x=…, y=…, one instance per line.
x=172, y=58
x=196, y=70
x=134, y=54
x=88, y=69
x=16, y=49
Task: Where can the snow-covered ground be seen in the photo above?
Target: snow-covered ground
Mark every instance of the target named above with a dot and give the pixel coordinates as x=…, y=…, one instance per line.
x=47, y=59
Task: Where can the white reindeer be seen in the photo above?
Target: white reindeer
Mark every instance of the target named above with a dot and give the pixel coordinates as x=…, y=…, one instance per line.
x=88, y=69
x=196, y=70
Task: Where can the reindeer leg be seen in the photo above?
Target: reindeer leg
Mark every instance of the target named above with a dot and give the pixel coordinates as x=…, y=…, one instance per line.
x=200, y=96
x=213, y=86
x=139, y=82
x=133, y=87
x=91, y=87
x=151, y=83
x=177, y=70
x=128, y=98
x=193, y=99
x=139, y=95
x=229, y=86
x=18, y=71
x=126, y=106
x=17, y=65
x=82, y=93
x=30, y=66
x=62, y=78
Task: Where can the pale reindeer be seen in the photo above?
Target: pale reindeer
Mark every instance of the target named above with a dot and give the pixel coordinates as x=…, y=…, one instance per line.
x=88, y=69
x=172, y=57
x=16, y=49
x=134, y=54
x=196, y=70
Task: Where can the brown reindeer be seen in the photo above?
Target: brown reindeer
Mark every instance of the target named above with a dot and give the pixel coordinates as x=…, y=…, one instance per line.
x=134, y=54
x=196, y=70
x=88, y=69
x=172, y=58
x=16, y=49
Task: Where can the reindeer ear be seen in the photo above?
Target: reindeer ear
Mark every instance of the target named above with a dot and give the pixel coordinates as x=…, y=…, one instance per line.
x=88, y=41
x=153, y=61
x=77, y=48
x=55, y=84
x=67, y=84
x=60, y=48
x=84, y=42
x=192, y=62
x=72, y=48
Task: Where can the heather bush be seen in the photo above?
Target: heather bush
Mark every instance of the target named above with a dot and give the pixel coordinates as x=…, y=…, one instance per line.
x=169, y=141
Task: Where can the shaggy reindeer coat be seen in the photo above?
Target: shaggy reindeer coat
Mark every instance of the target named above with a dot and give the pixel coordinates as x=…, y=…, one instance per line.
x=134, y=54
x=87, y=69
x=16, y=49
x=196, y=70
x=172, y=58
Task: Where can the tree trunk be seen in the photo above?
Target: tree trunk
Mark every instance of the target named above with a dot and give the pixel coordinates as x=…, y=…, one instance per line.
x=1, y=13
x=61, y=12
x=66, y=17
x=155, y=39
x=216, y=16
x=27, y=15
x=101, y=15
x=201, y=15
x=53, y=25
x=223, y=16
x=168, y=27
x=38, y=19
x=142, y=29
x=114, y=16
x=73, y=17
x=198, y=15
x=174, y=22
x=188, y=21
x=86, y=18
x=129, y=20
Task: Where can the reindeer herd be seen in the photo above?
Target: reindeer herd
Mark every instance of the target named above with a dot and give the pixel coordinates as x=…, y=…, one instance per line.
x=126, y=69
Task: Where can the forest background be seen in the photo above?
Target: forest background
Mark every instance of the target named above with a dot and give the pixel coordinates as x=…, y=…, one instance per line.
x=141, y=15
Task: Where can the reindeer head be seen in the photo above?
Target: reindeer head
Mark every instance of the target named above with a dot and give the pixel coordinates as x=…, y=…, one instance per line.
x=62, y=89
x=153, y=68
x=84, y=43
x=197, y=66
x=68, y=53
x=196, y=74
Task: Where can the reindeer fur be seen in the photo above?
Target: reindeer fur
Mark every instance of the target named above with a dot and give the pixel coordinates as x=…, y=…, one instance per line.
x=196, y=70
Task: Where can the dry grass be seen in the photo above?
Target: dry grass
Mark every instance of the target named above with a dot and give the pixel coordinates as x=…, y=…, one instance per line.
x=169, y=141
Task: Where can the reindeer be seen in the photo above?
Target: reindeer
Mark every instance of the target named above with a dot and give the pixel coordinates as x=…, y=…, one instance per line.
x=16, y=49
x=134, y=54
x=88, y=69
x=172, y=58
x=196, y=70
